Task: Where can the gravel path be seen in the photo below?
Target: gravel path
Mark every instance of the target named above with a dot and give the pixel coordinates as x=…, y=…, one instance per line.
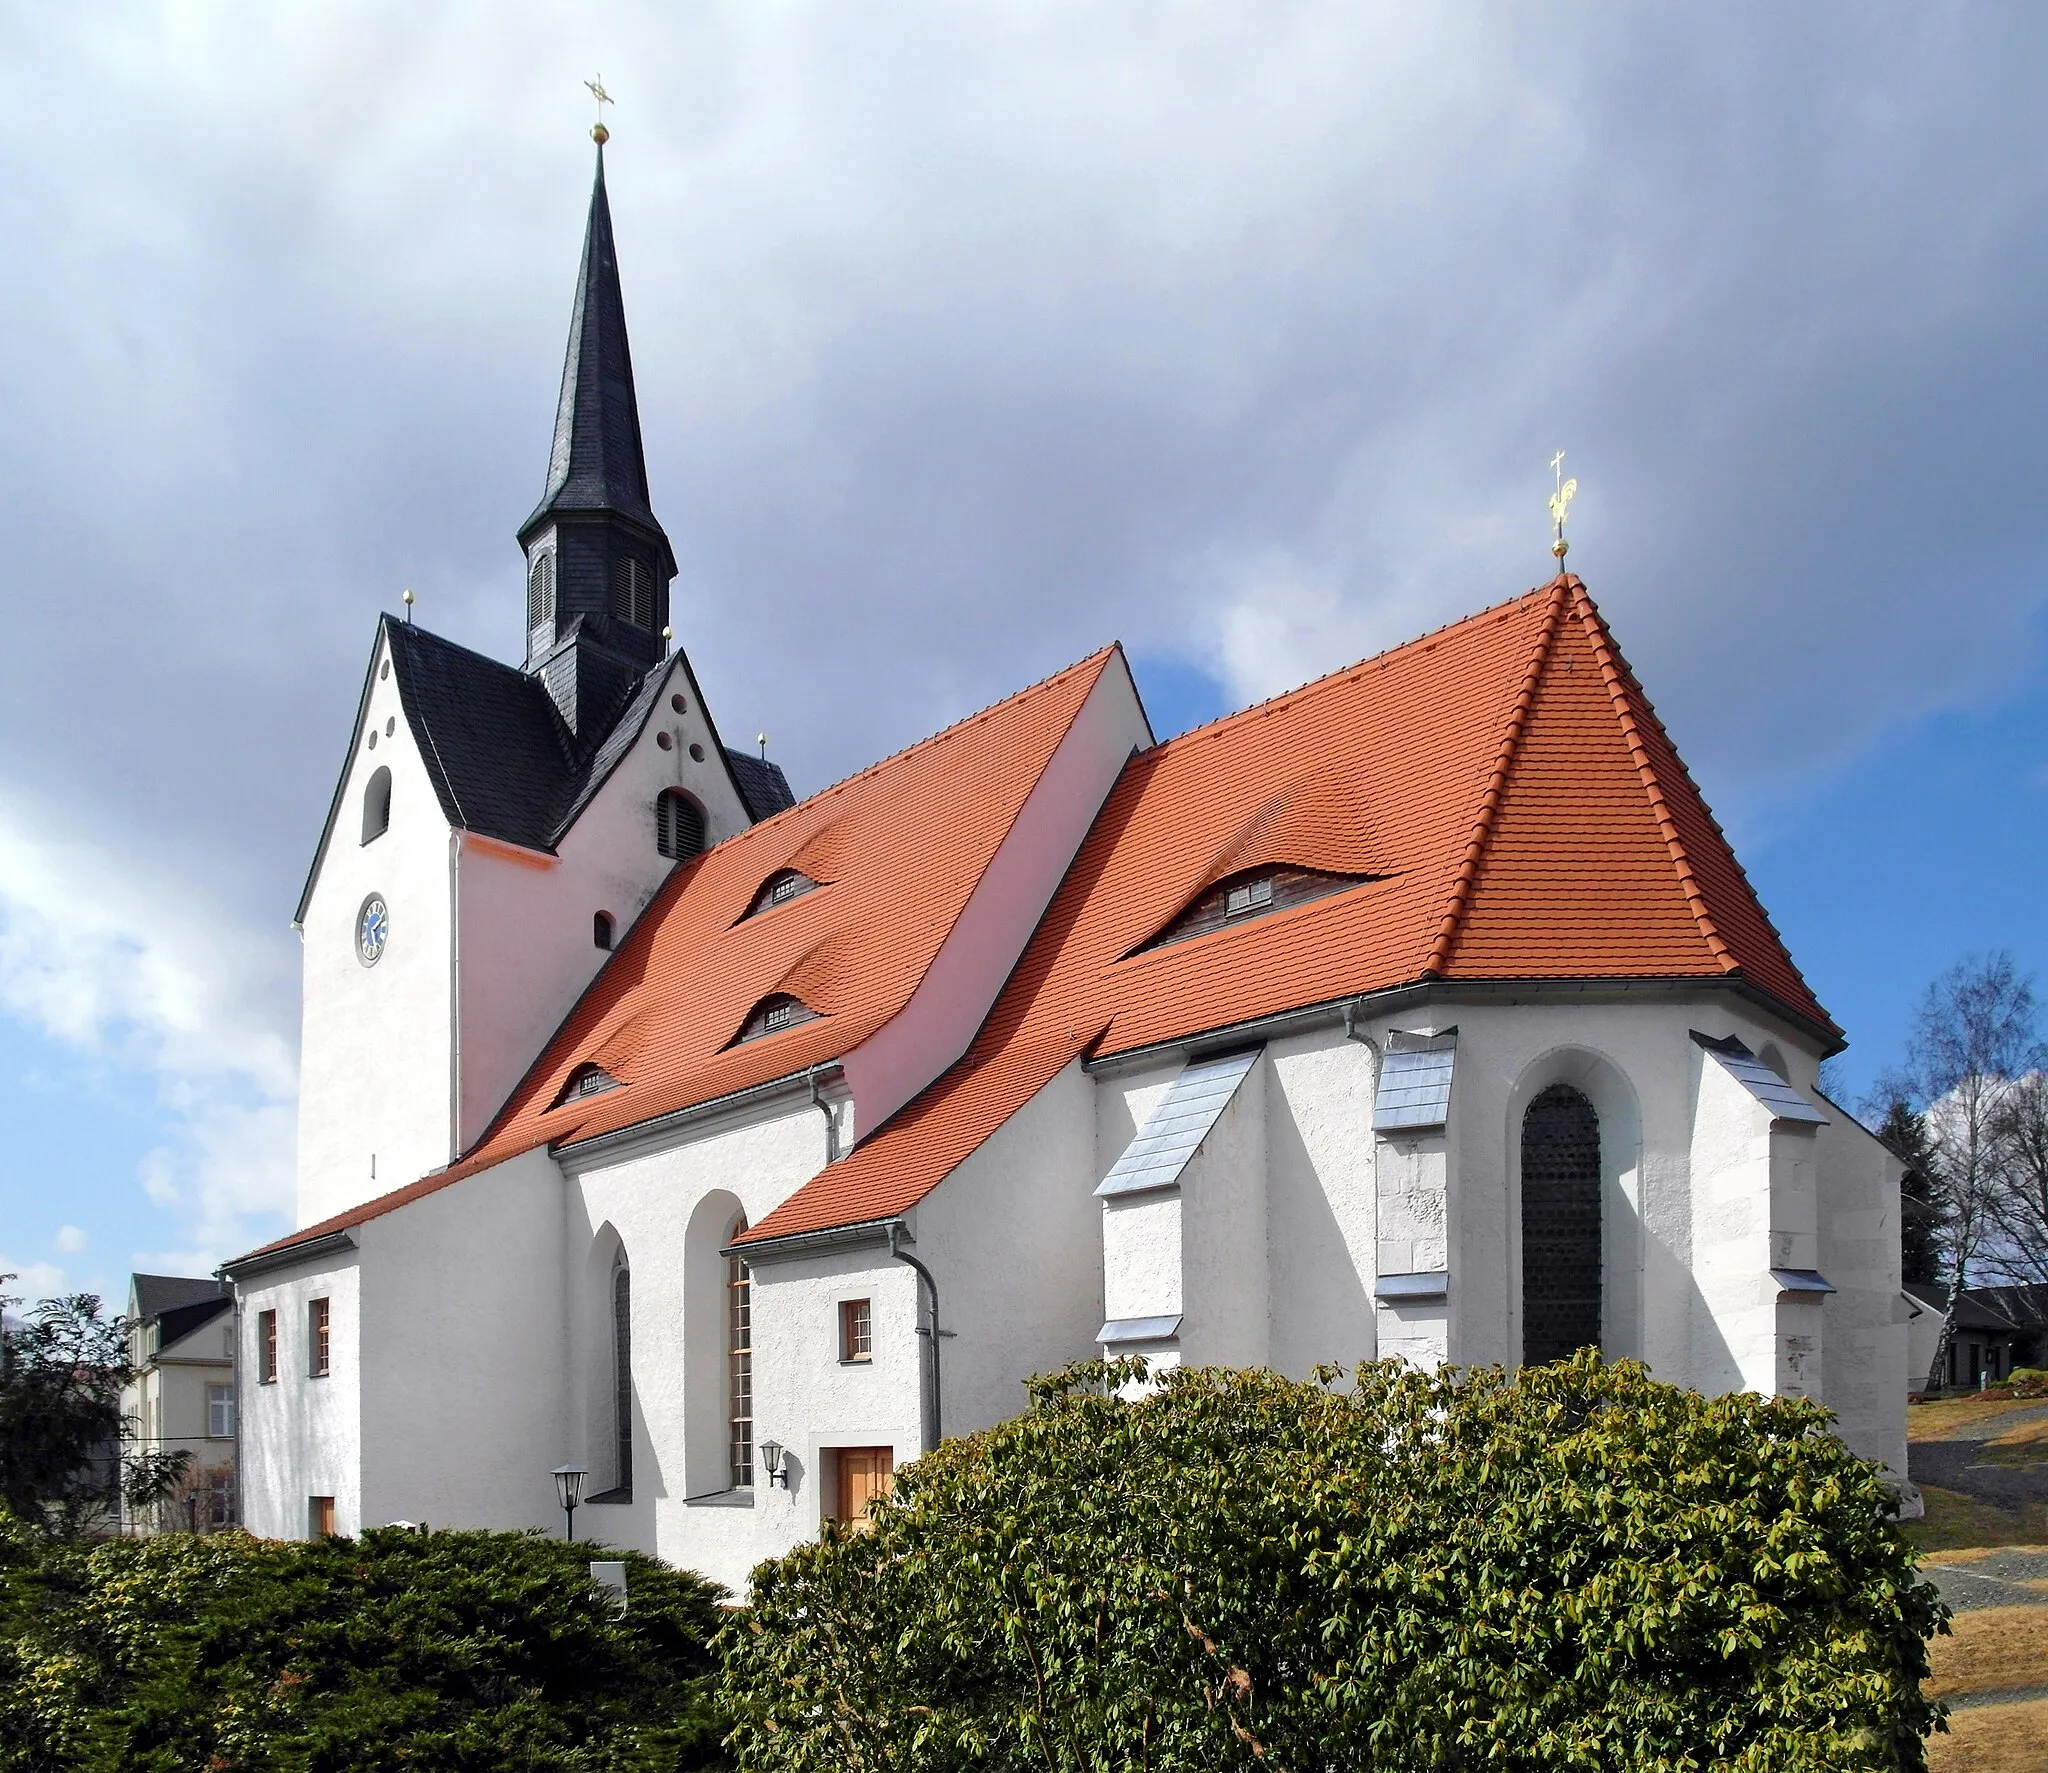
x=1995, y=1581
x=1956, y=1462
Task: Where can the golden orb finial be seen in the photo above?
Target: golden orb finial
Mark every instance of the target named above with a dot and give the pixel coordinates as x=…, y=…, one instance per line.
x=599, y=134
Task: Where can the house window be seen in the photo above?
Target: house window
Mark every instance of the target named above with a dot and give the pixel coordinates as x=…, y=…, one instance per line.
x=1250, y=896
x=864, y=1476
x=856, y=1330
x=266, y=1347
x=318, y=1319
x=739, y=1385
x=622, y=1376
x=601, y=930
x=220, y=1411
x=377, y=804
x=540, y=590
x=319, y=1516
x=1560, y=1226
x=632, y=592
x=678, y=825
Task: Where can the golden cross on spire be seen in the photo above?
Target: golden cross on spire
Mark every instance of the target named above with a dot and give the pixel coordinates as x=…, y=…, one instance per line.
x=1560, y=503
x=598, y=133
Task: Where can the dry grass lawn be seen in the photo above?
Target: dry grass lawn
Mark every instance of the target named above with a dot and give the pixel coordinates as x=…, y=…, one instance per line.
x=1939, y=1420
x=1991, y=1650
x=1998, y=1739
x=1961, y=1523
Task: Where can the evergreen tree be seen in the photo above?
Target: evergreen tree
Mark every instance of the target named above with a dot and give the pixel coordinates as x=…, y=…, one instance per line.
x=1904, y=1134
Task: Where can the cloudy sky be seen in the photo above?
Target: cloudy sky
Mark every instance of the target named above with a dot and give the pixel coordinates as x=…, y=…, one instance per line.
x=968, y=338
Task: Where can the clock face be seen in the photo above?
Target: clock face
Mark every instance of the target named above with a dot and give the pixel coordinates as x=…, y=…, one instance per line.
x=373, y=929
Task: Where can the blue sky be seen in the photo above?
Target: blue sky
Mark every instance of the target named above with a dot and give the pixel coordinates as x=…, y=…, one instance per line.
x=968, y=339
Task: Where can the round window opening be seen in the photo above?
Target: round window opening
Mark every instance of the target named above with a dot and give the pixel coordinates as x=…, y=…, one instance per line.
x=373, y=929
x=697, y=752
x=678, y=704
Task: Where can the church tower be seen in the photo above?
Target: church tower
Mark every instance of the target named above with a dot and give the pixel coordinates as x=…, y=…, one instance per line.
x=497, y=829
x=598, y=563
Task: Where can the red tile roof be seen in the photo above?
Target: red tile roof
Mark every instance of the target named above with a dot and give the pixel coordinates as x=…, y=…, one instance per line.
x=1504, y=780
x=1505, y=775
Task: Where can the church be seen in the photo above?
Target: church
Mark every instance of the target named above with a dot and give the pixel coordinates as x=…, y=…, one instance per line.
x=731, y=1149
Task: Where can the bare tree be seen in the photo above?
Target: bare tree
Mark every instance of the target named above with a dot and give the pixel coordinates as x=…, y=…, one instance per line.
x=1975, y=1035
x=2018, y=1247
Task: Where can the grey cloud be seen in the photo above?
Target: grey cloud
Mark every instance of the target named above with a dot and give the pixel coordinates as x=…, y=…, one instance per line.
x=968, y=339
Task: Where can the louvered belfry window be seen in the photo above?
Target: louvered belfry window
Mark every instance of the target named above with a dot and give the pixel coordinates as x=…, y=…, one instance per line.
x=678, y=825
x=632, y=591
x=1560, y=1226
x=540, y=590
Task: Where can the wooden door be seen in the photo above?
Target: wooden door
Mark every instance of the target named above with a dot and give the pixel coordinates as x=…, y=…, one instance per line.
x=865, y=1473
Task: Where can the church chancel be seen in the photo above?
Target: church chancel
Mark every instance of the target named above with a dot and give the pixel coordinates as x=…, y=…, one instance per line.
x=733, y=1149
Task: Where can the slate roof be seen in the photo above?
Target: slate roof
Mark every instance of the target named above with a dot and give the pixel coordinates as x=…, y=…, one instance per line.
x=155, y=1294
x=764, y=789
x=1977, y=1308
x=597, y=462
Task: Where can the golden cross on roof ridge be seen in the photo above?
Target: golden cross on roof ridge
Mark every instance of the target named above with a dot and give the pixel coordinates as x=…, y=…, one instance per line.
x=1560, y=503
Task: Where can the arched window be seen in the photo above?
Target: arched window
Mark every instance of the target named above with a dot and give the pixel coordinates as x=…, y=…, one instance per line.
x=1560, y=1226
x=601, y=929
x=739, y=1371
x=678, y=825
x=540, y=590
x=377, y=805
x=632, y=591
x=622, y=1374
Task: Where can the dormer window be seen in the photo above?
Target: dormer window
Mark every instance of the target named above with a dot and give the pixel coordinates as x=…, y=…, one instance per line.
x=586, y=1080
x=779, y=889
x=1249, y=894
x=633, y=591
x=772, y=1015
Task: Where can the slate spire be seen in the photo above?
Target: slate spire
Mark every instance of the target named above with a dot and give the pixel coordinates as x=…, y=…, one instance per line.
x=598, y=560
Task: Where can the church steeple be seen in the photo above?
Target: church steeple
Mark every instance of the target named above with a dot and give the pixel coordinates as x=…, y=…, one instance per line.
x=598, y=560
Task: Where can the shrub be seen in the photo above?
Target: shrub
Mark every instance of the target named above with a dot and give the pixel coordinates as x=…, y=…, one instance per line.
x=1573, y=1567
x=468, y=1651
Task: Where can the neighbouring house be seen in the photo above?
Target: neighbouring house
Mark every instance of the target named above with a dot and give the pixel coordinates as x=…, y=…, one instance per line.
x=730, y=1150
x=182, y=1398
x=1996, y=1329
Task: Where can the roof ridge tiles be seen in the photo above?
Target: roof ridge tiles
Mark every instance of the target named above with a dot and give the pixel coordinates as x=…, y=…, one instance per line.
x=1210, y=729
x=1099, y=655
x=1483, y=822
x=1614, y=674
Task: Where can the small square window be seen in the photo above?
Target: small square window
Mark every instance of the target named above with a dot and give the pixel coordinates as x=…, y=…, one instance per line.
x=319, y=1320
x=856, y=1330
x=266, y=1347
x=781, y=1015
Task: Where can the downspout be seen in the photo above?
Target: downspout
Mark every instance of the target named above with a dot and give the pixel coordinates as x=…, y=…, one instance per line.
x=831, y=1117
x=933, y=1428
x=454, y=994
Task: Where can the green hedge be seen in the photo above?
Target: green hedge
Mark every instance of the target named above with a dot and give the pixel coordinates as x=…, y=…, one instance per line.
x=471, y=1651
x=1574, y=1567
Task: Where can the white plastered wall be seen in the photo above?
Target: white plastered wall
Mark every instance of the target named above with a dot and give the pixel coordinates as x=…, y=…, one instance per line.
x=302, y=1437
x=527, y=949
x=1865, y=1318
x=375, y=1046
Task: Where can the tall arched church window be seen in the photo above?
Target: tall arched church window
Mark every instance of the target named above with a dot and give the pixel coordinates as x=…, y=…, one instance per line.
x=1560, y=1226
x=739, y=1381
x=633, y=591
x=540, y=590
x=678, y=825
x=377, y=804
x=622, y=1375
